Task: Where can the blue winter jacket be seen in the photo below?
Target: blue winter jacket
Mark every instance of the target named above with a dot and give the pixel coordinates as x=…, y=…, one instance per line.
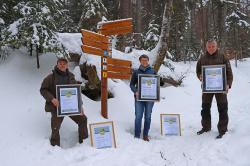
x=134, y=78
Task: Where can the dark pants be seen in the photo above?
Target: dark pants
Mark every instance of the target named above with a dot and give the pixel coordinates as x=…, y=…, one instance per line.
x=56, y=122
x=222, y=106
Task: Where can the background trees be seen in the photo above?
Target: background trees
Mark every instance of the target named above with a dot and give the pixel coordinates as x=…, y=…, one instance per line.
x=35, y=23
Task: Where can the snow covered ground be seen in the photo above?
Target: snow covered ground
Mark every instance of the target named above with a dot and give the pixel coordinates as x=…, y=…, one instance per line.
x=25, y=127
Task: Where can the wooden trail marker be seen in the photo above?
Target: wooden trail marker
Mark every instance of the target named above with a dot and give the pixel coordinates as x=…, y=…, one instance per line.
x=117, y=30
x=116, y=27
x=119, y=62
x=94, y=36
x=116, y=23
x=99, y=44
x=119, y=69
x=96, y=44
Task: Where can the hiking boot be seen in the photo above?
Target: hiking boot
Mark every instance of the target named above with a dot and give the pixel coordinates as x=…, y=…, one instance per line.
x=145, y=138
x=202, y=131
x=219, y=136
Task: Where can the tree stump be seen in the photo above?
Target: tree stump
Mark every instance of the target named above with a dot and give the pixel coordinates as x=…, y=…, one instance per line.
x=92, y=88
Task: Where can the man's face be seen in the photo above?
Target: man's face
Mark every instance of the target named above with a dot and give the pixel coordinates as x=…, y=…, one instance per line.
x=211, y=47
x=62, y=65
x=144, y=62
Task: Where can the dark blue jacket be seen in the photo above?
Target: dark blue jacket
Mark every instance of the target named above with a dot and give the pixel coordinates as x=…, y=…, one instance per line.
x=134, y=78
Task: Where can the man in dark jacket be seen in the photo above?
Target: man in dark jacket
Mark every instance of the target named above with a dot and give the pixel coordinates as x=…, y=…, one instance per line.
x=60, y=76
x=142, y=107
x=212, y=57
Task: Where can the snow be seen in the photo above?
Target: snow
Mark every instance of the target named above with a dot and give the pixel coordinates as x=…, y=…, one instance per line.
x=25, y=127
x=13, y=28
x=2, y=21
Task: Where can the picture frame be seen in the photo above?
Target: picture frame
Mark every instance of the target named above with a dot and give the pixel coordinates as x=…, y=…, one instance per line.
x=170, y=124
x=148, y=87
x=102, y=135
x=69, y=97
x=214, y=79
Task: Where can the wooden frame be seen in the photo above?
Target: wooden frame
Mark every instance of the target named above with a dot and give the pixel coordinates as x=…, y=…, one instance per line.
x=147, y=76
x=69, y=91
x=217, y=73
x=175, y=117
x=97, y=135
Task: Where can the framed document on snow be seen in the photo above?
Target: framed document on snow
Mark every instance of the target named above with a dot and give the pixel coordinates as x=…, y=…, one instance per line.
x=69, y=97
x=170, y=124
x=102, y=135
x=214, y=79
x=148, y=87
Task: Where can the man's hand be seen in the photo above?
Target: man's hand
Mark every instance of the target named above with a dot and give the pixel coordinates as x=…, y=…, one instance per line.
x=227, y=88
x=200, y=77
x=55, y=102
x=82, y=113
x=137, y=94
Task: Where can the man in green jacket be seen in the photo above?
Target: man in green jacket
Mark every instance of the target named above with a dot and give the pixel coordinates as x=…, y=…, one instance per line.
x=60, y=76
x=212, y=57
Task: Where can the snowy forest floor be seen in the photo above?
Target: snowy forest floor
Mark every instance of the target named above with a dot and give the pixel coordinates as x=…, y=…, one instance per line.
x=25, y=127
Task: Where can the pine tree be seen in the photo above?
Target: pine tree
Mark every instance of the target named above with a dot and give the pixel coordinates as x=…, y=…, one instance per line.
x=151, y=38
x=238, y=29
x=36, y=24
x=93, y=11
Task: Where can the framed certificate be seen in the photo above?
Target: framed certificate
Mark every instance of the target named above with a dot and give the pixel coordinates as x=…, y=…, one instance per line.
x=214, y=79
x=170, y=125
x=102, y=135
x=69, y=97
x=148, y=87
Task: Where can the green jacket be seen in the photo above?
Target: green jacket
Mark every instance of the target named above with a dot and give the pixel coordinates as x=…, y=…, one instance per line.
x=48, y=87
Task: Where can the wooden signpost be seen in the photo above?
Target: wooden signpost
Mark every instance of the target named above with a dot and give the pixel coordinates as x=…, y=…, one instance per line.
x=117, y=27
x=100, y=45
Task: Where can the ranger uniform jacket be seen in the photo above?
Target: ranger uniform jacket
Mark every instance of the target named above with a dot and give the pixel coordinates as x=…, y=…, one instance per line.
x=48, y=87
x=215, y=59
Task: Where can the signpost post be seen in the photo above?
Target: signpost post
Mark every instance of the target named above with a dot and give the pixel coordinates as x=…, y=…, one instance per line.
x=100, y=45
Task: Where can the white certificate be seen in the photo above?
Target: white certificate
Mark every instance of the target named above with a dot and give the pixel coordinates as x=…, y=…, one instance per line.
x=68, y=100
x=149, y=87
x=170, y=124
x=214, y=78
x=103, y=137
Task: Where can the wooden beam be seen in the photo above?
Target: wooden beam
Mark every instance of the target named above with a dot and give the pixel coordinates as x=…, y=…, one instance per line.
x=92, y=50
x=117, y=30
x=118, y=76
x=94, y=43
x=94, y=36
x=115, y=23
x=119, y=62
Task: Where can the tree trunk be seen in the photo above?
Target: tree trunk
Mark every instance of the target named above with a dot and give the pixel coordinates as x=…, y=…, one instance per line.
x=162, y=46
x=92, y=88
x=37, y=57
x=31, y=49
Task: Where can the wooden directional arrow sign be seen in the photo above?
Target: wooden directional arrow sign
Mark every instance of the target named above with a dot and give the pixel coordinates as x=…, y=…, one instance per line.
x=94, y=51
x=117, y=68
x=94, y=43
x=119, y=62
x=94, y=36
x=116, y=27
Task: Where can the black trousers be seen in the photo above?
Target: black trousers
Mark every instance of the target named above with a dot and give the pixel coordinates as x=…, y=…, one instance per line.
x=222, y=106
x=56, y=122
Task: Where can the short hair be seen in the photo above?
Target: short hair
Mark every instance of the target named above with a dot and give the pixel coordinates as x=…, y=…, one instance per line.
x=143, y=56
x=62, y=59
x=211, y=41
